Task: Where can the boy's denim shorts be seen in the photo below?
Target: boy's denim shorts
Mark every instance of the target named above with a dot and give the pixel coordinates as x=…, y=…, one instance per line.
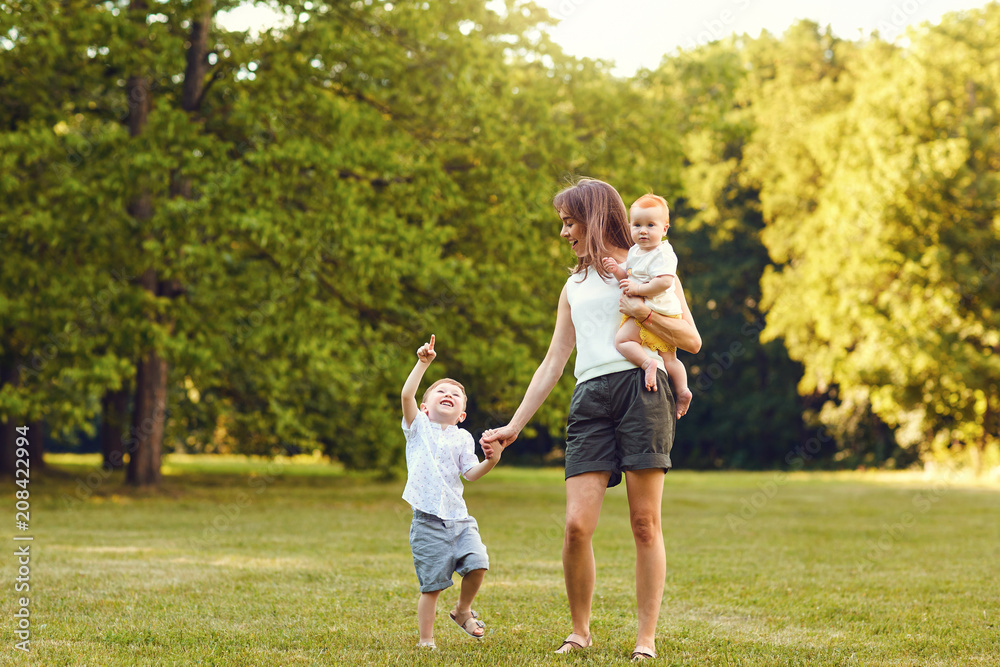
x=442, y=547
x=614, y=424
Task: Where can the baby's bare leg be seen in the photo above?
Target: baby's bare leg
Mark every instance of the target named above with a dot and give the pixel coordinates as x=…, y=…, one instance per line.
x=627, y=343
x=678, y=376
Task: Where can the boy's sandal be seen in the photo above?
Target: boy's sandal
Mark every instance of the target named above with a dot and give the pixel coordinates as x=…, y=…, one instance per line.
x=428, y=645
x=574, y=643
x=474, y=617
x=643, y=653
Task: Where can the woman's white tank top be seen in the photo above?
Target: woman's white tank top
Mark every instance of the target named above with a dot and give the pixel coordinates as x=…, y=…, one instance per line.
x=593, y=304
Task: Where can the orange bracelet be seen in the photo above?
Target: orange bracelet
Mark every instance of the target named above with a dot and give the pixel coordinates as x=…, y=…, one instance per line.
x=647, y=316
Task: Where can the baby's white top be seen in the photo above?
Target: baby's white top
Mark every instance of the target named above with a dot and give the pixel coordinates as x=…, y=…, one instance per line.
x=594, y=309
x=645, y=265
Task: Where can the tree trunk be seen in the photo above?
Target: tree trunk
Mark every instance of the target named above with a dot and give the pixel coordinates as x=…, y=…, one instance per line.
x=114, y=421
x=197, y=58
x=36, y=442
x=8, y=436
x=148, y=420
x=150, y=410
x=976, y=449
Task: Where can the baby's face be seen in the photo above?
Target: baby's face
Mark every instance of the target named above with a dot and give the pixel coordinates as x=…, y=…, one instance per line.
x=648, y=227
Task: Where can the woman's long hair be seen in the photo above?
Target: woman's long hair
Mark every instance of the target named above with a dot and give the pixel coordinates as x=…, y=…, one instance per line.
x=600, y=208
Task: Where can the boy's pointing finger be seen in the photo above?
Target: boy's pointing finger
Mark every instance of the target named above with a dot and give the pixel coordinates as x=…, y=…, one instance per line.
x=432, y=342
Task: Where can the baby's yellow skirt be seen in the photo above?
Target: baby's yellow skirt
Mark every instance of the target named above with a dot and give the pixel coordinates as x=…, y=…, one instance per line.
x=650, y=339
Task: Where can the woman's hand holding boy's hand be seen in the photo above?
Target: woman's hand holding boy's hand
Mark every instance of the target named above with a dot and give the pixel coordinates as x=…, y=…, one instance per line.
x=426, y=353
x=493, y=451
x=497, y=438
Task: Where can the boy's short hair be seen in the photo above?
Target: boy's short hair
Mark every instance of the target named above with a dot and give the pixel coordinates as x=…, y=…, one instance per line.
x=652, y=201
x=458, y=384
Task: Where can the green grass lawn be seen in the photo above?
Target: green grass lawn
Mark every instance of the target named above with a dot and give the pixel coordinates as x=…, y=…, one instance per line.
x=250, y=563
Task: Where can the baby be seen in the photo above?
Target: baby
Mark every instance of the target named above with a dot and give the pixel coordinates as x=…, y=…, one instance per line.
x=649, y=272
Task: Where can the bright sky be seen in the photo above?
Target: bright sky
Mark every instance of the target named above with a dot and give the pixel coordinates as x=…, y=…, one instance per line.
x=637, y=33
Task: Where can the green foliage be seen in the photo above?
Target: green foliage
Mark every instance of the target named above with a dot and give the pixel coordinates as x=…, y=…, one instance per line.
x=359, y=180
x=883, y=222
x=373, y=173
x=716, y=232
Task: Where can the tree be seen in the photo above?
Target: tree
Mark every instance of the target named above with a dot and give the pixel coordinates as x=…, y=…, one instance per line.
x=220, y=241
x=703, y=97
x=884, y=290
x=241, y=199
x=54, y=293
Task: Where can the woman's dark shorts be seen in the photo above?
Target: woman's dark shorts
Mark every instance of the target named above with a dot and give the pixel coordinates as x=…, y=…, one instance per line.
x=614, y=424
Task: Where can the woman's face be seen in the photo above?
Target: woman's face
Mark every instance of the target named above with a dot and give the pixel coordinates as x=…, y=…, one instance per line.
x=575, y=232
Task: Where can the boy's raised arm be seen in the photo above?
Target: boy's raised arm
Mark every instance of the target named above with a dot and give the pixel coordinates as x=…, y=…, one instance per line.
x=425, y=355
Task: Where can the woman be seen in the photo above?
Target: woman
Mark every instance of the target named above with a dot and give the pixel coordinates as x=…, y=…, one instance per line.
x=614, y=424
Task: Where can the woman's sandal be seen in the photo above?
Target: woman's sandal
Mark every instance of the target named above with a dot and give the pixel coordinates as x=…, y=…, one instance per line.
x=473, y=616
x=643, y=653
x=428, y=645
x=575, y=643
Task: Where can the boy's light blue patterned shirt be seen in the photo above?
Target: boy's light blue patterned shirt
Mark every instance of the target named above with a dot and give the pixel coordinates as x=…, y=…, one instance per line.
x=435, y=460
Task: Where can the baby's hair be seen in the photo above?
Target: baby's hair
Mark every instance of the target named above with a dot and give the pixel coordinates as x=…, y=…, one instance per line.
x=652, y=201
x=446, y=381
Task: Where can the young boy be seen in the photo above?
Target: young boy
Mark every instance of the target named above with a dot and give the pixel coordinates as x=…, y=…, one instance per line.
x=649, y=272
x=443, y=537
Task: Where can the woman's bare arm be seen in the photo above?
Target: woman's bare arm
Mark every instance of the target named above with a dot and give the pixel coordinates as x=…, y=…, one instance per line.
x=544, y=379
x=682, y=333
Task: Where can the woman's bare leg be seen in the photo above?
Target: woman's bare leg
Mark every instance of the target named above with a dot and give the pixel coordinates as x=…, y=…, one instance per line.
x=645, y=495
x=584, y=495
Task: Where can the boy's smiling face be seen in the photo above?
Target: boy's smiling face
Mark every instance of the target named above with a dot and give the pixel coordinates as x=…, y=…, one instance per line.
x=444, y=403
